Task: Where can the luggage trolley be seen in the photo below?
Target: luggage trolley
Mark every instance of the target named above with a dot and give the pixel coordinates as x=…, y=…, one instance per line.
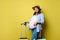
x=23, y=32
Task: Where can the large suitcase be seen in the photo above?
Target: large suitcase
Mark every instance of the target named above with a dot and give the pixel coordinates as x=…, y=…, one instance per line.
x=23, y=32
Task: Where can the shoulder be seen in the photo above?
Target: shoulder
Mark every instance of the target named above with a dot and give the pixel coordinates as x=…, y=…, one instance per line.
x=41, y=14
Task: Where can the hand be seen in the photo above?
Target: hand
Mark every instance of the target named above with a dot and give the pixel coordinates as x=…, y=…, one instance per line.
x=35, y=23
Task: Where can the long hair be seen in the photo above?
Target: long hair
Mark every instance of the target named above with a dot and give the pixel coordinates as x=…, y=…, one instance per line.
x=38, y=9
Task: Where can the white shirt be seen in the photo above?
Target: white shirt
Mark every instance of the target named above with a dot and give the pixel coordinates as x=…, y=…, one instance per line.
x=31, y=22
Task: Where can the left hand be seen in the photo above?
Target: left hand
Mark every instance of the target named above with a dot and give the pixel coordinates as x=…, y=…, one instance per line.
x=35, y=23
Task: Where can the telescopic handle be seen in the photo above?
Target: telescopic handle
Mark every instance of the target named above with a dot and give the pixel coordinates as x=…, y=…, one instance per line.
x=24, y=23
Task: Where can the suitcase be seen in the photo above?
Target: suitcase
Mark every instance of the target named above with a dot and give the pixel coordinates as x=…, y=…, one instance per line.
x=23, y=32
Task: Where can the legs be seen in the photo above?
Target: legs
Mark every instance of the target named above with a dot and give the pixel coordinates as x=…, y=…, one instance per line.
x=38, y=35
x=34, y=34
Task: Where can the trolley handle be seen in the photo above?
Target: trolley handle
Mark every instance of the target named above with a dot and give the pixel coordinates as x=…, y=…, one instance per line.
x=24, y=23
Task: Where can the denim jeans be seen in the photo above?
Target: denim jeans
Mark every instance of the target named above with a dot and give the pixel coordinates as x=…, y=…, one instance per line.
x=34, y=34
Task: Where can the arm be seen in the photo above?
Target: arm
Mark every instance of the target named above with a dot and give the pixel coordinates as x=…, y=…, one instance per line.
x=42, y=20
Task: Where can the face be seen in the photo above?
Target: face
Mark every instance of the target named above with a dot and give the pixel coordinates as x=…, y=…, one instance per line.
x=36, y=10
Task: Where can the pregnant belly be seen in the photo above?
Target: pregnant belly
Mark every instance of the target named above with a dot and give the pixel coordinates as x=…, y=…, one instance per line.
x=31, y=25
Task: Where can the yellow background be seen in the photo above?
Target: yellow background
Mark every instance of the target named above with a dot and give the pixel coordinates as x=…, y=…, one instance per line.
x=14, y=12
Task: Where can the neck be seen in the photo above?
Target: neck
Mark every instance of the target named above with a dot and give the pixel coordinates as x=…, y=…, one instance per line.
x=36, y=13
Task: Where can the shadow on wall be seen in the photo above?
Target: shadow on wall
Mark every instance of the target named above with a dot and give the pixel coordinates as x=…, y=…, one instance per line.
x=44, y=30
x=44, y=26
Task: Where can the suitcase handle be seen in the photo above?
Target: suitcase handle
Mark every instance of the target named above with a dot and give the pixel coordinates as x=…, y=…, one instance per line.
x=25, y=23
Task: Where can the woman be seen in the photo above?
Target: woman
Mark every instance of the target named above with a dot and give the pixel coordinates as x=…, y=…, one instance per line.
x=36, y=21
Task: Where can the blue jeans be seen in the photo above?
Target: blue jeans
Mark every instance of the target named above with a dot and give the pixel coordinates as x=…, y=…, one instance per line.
x=34, y=34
